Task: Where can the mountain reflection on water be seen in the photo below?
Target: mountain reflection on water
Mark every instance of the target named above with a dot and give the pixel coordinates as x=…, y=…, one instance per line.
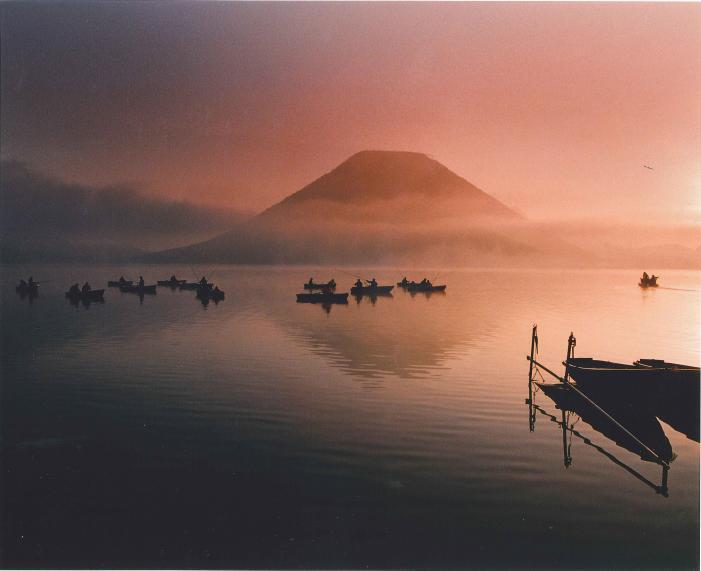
x=259, y=432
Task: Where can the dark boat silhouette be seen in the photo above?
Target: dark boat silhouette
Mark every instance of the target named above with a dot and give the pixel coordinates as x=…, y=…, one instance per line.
x=322, y=297
x=145, y=289
x=210, y=293
x=171, y=282
x=331, y=284
x=371, y=290
x=118, y=283
x=640, y=421
x=646, y=378
x=92, y=295
x=648, y=282
x=194, y=285
x=425, y=287
x=27, y=289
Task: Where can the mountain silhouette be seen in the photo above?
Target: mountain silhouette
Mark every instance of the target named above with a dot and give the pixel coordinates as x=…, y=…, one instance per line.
x=374, y=207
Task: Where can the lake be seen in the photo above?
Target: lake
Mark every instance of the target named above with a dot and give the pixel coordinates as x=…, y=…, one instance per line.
x=259, y=432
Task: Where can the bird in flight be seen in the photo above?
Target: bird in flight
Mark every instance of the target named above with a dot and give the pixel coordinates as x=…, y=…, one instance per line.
x=647, y=167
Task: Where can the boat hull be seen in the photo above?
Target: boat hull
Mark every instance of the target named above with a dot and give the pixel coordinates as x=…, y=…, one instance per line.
x=419, y=287
x=322, y=298
x=377, y=290
x=92, y=295
x=141, y=290
x=112, y=283
x=170, y=283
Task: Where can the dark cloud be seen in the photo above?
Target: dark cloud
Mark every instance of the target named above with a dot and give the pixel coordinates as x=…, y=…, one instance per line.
x=35, y=205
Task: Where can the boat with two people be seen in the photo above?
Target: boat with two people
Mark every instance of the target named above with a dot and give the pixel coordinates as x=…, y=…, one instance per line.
x=203, y=283
x=372, y=288
x=424, y=285
x=139, y=288
x=208, y=292
x=312, y=285
x=648, y=281
x=120, y=282
x=85, y=293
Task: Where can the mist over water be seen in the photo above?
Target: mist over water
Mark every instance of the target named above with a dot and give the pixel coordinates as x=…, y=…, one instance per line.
x=262, y=432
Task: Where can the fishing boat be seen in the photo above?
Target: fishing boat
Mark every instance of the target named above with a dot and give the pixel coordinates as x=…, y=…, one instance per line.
x=27, y=289
x=427, y=287
x=646, y=281
x=208, y=293
x=92, y=295
x=647, y=377
x=331, y=284
x=171, y=282
x=145, y=289
x=322, y=297
x=371, y=290
x=194, y=285
x=118, y=283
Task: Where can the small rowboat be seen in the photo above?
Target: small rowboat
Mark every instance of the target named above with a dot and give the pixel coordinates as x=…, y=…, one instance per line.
x=25, y=288
x=425, y=287
x=92, y=295
x=648, y=283
x=322, y=297
x=329, y=285
x=171, y=283
x=371, y=290
x=194, y=285
x=146, y=289
x=117, y=283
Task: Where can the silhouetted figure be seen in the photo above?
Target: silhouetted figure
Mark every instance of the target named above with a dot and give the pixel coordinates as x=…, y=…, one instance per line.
x=372, y=282
x=86, y=288
x=22, y=284
x=311, y=281
x=122, y=280
x=332, y=283
x=358, y=283
x=74, y=290
x=645, y=277
x=173, y=278
x=141, y=281
x=31, y=282
x=203, y=281
x=405, y=281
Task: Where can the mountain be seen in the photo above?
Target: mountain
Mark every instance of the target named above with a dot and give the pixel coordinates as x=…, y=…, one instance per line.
x=47, y=219
x=387, y=187
x=375, y=207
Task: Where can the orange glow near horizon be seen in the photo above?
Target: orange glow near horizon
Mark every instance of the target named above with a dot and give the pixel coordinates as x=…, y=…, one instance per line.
x=553, y=108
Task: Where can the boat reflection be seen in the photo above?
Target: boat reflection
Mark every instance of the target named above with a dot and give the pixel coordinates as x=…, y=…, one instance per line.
x=639, y=420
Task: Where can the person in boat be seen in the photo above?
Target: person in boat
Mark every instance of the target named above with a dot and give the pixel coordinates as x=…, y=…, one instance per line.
x=332, y=283
x=203, y=281
x=22, y=284
x=311, y=281
x=173, y=278
x=141, y=281
x=405, y=281
x=74, y=290
x=31, y=283
x=358, y=283
x=645, y=277
x=372, y=283
x=122, y=279
x=86, y=288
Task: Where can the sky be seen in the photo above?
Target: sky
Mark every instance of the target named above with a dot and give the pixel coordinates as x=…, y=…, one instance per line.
x=554, y=108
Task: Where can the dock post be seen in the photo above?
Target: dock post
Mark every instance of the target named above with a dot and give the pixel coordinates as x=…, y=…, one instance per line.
x=571, y=343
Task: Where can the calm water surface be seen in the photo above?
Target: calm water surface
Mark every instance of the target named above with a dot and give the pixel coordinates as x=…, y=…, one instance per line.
x=258, y=432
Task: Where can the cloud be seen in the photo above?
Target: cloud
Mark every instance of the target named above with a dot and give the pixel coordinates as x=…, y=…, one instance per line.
x=35, y=205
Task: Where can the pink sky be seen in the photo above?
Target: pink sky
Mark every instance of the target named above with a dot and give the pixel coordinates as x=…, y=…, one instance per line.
x=553, y=108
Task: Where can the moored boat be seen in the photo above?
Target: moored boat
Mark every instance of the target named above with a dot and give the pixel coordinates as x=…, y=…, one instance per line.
x=646, y=377
x=208, y=293
x=194, y=285
x=322, y=297
x=27, y=289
